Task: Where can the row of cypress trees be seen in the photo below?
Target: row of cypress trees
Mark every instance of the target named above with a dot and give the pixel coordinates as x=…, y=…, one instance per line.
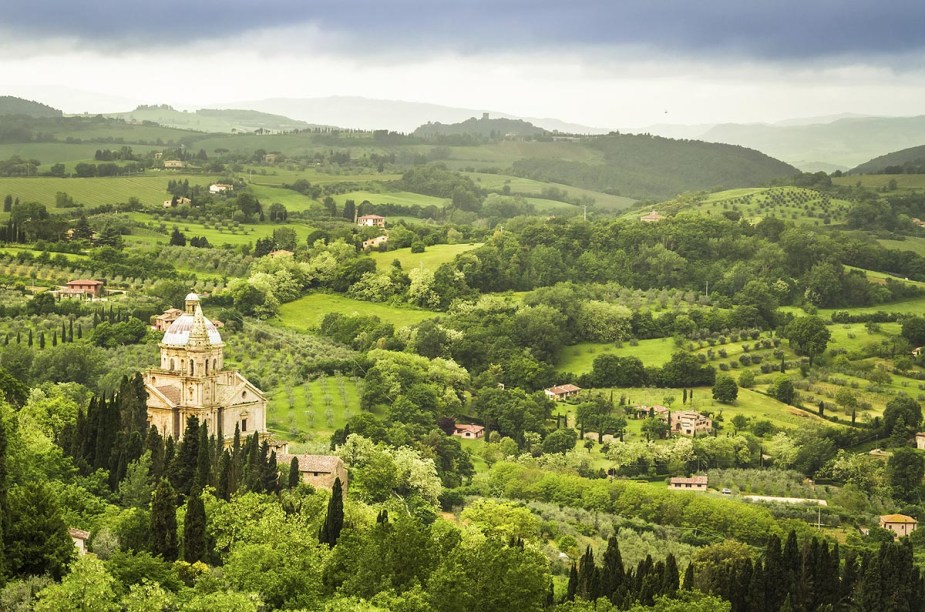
x=786, y=578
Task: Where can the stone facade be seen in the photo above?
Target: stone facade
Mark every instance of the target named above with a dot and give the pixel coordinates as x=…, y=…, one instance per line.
x=192, y=380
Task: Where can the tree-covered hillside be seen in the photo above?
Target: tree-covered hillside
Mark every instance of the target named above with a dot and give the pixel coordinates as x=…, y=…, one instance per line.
x=643, y=166
x=10, y=105
x=484, y=127
x=906, y=161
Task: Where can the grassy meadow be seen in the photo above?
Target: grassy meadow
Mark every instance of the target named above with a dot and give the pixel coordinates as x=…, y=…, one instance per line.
x=431, y=259
x=306, y=313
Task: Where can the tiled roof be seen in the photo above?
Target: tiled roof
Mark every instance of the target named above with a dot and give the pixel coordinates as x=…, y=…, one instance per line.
x=472, y=428
x=170, y=392
x=311, y=463
x=85, y=282
x=692, y=480
x=560, y=389
x=897, y=518
x=79, y=534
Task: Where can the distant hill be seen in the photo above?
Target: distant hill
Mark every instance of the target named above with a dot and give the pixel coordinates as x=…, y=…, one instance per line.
x=212, y=120
x=907, y=161
x=484, y=127
x=10, y=105
x=845, y=142
x=646, y=167
x=397, y=115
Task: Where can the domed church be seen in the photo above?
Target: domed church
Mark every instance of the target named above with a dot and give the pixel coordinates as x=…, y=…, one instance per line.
x=192, y=380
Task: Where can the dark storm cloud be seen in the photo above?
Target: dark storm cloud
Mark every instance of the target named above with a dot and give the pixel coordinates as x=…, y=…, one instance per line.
x=784, y=30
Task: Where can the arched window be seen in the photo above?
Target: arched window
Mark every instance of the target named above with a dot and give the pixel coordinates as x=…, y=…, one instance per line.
x=191, y=368
x=207, y=367
x=214, y=365
x=172, y=365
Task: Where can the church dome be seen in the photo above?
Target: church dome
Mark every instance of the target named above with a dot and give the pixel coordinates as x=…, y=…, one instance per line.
x=179, y=331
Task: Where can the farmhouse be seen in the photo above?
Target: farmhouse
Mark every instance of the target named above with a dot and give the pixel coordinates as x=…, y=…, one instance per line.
x=900, y=524
x=177, y=202
x=561, y=392
x=694, y=483
x=470, y=432
x=371, y=220
x=690, y=423
x=173, y=164
x=192, y=381
x=657, y=411
x=317, y=470
x=220, y=187
x=920, y=440
x=163, y=321
x=652, y=217
x=270, y=158
x=83, y=289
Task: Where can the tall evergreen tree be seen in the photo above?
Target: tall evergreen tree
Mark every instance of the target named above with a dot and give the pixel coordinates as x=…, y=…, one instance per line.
x=203, y=461
x=194, y=529
x=223, y=488
x=164, y=521
x=184, y=469
x=689, y=578
x=572, y=587
x=671, y=578
x=154, y=444
x=612, y=573
x=294, y=473
x=270, y=476
x=334, y=520
x=586, y=571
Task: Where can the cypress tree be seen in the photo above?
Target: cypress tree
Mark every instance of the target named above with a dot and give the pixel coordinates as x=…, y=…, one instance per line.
x=612, y=573
x=30, y=338
x=572, y=587
x=164, y=521
x=294, y=473
x=70, y=330
x=155, y=445
x=689, y=577
x=755, y=601
x=586, y=571
x=775, y=574
x=270, y=475
x=194, y=529
x=80, y=330
x=170, y=452
x=63, y=332
x=671, y=577
x=203, y=461
x=334, y=520
x=41, y=340
x=224, y=477
x=54, y=338
x=184, y=469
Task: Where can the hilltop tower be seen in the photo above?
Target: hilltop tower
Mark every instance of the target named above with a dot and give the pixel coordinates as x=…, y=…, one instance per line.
x=192, y=380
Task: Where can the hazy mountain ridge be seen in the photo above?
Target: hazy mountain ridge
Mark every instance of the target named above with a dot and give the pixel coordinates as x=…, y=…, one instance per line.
x=212, y=120
x=485, y=127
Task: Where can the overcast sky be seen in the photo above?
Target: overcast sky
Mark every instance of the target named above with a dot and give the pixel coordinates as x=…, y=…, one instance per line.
x=607, y=63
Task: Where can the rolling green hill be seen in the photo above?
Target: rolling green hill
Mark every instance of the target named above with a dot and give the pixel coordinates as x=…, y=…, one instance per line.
x=642, y=166
x=906, y=161
x=802, y=206
x=211, y=120
x=484, y=127
x=10, y=105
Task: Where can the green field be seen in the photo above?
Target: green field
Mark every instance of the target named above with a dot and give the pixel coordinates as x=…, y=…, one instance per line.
x=149, y=188
x=496, y=182
x=916, y=245
x=306, y=313
x=242, y=234
x=914, y=306
x=878, y=181
x=578, y=358
x=430, y=259
x=402, y=198
x=292, y=200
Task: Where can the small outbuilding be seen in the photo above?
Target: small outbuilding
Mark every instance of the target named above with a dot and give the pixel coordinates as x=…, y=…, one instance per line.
x=80, y=538
x=317, y=470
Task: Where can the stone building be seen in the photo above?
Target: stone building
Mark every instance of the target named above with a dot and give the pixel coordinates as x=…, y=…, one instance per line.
x=192, y=380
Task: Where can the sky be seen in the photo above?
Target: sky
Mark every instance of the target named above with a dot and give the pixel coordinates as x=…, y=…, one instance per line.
x=605, y=63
